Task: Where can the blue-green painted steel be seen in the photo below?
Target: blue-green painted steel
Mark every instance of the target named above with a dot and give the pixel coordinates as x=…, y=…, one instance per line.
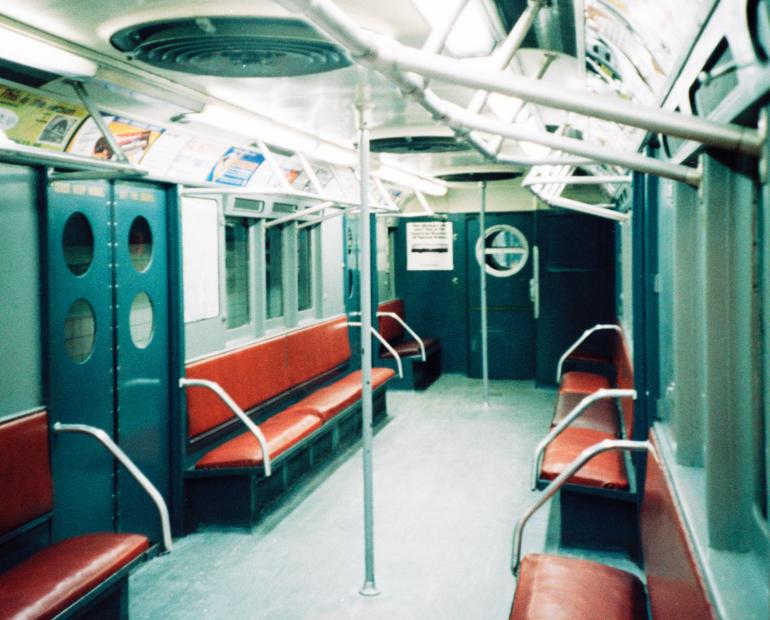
x=511, y=323
x=84, y=474
x=142, y=378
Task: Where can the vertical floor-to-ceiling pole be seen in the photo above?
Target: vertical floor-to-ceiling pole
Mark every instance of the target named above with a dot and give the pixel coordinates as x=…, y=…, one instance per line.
x=363, y=110
x=482, y=243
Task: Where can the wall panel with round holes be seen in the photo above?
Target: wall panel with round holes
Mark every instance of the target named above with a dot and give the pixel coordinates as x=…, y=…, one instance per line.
x=141, y=320
x=79, y=331
x=140, y=244
x=78, y=244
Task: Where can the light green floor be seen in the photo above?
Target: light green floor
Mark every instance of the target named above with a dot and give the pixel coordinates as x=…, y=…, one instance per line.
x=450, y=479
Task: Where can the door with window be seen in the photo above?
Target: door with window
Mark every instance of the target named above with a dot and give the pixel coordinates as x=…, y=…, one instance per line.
x=109, y=358
x=506, y=252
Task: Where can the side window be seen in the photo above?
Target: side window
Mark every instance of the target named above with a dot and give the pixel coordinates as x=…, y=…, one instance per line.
x=237, y=272
x=274, y=272
x=304, y=269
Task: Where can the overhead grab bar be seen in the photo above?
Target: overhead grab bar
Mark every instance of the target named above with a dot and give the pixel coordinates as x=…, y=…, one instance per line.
x=233, y=406
x=103, y=438
x=403, y=324
x=568, y=419
x=581, y=340
x=384, y=343
x=586, y=455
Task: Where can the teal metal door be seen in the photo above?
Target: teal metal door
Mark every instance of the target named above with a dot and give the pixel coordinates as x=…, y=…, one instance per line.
x=109, y=353
x=507, y=253
x=142, y=337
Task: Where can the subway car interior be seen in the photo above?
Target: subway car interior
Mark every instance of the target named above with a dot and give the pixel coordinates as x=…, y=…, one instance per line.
x=323, y=309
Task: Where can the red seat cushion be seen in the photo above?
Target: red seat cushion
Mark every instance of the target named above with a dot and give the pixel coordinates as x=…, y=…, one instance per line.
x=607, y=470
x=332, y=399
x=561, y=588
x=389, y=328
x=57, y=576
x=282, y=431
x=601, y=415
x=582, y=382
x=315, y=350
x=589, y=357
x=411, y=348
x=24, y=474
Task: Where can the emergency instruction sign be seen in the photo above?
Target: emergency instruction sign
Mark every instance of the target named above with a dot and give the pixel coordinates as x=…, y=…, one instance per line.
x=429, y=246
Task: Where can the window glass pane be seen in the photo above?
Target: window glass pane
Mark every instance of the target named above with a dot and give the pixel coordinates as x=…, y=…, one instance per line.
x=79, y=331
x=141, y=320
x=78, y=244
x=304, y=269
x=140, y=244
x=274, y=271
x=237, y=271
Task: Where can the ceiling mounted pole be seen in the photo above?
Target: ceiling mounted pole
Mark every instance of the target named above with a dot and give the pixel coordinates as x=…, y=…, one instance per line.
x=482, y=243
x=363, y=109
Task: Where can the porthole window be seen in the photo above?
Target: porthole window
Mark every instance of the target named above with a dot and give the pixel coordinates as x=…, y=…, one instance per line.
x=140, y=244
x=505, y=250
x=141, y=320
x=79, y=331
x=78, y=244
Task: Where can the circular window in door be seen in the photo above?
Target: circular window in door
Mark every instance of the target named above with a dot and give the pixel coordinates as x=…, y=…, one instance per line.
x=140, y=244
x=141, y=320
x=505, y=250
x=79, y=331
x=78, y=244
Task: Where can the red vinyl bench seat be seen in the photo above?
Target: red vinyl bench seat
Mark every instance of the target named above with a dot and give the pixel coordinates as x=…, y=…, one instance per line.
x=601, y=415
x=66, y=573
x=59, y=575
x=564, y=588
x=579, y=382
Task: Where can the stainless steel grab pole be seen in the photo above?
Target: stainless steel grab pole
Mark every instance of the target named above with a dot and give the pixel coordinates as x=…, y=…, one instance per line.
x=483, y=279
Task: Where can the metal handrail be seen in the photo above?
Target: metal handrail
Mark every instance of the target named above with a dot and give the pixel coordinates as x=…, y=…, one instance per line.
x=403, y=324
x=103, y=438
x=586, y=455
x=233, y=406
x=384, y=343
x=568, y=419
x=581, y=340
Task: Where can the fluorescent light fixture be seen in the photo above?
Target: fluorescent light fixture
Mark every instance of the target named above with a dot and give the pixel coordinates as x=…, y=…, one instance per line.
x=432, y=187
x=25, y=50
x=472, y=34
x=256, y=127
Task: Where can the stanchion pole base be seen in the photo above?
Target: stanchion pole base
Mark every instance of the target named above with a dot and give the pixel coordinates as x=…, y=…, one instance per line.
x=369, y=589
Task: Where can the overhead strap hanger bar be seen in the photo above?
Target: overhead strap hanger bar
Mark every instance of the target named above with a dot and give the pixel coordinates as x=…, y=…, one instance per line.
x=575, y=180
x=299, y=214
x=389, y=56
x=584, y=207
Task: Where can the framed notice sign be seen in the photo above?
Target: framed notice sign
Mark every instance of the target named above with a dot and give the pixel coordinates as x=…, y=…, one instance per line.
x=429, y=246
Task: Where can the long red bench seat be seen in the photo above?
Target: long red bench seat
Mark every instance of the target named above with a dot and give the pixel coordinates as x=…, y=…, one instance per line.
x=564, y=588
x=63, y=574
x=418, y=372
x=603, y=419
x=289, y=427
x=58, y=576
x=559, y=588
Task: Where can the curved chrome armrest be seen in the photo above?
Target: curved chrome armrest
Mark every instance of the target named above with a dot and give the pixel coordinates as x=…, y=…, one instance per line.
x=584, y=336
x=103, y=438
x=585, y=456
x=385, y=344
x=403, y=324
x=568, y=419
x=237, y=411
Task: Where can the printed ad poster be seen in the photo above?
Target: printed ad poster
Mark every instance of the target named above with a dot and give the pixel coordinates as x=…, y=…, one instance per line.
x=34, y=120
x=235, y=167
x=429, y=246
x=132, y=136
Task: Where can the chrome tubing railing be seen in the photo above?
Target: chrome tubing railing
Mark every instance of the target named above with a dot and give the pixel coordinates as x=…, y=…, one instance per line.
x=103, y=438
x=581, y=340
x=237, y=411
x=385, y=344
x=567, y=420
x=586, y=455
x=403, y=324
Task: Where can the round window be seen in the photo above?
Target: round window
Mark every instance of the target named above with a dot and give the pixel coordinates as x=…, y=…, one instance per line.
x=140, y=244
x=505, y=250
x=79, y=331
x=78, y=244
x=140, y=320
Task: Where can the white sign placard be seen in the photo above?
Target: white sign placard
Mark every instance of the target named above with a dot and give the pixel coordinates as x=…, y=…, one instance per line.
x=429, y=246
